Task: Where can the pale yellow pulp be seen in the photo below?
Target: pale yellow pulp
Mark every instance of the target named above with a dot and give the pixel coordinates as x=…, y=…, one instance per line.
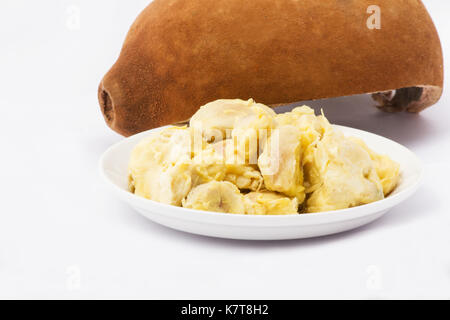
x=250, y=160
x=217, y=196
x=268, y=202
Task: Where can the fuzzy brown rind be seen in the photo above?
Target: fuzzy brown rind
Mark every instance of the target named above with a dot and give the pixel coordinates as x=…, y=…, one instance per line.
x=181, y=54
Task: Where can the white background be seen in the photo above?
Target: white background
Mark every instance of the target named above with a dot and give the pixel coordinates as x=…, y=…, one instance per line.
x=63, y=235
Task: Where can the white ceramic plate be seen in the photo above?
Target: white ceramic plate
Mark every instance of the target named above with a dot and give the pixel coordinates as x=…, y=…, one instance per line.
x=114, y=164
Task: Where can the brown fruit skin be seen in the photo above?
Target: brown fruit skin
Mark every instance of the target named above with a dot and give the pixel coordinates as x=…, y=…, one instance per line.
x=181, y=54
